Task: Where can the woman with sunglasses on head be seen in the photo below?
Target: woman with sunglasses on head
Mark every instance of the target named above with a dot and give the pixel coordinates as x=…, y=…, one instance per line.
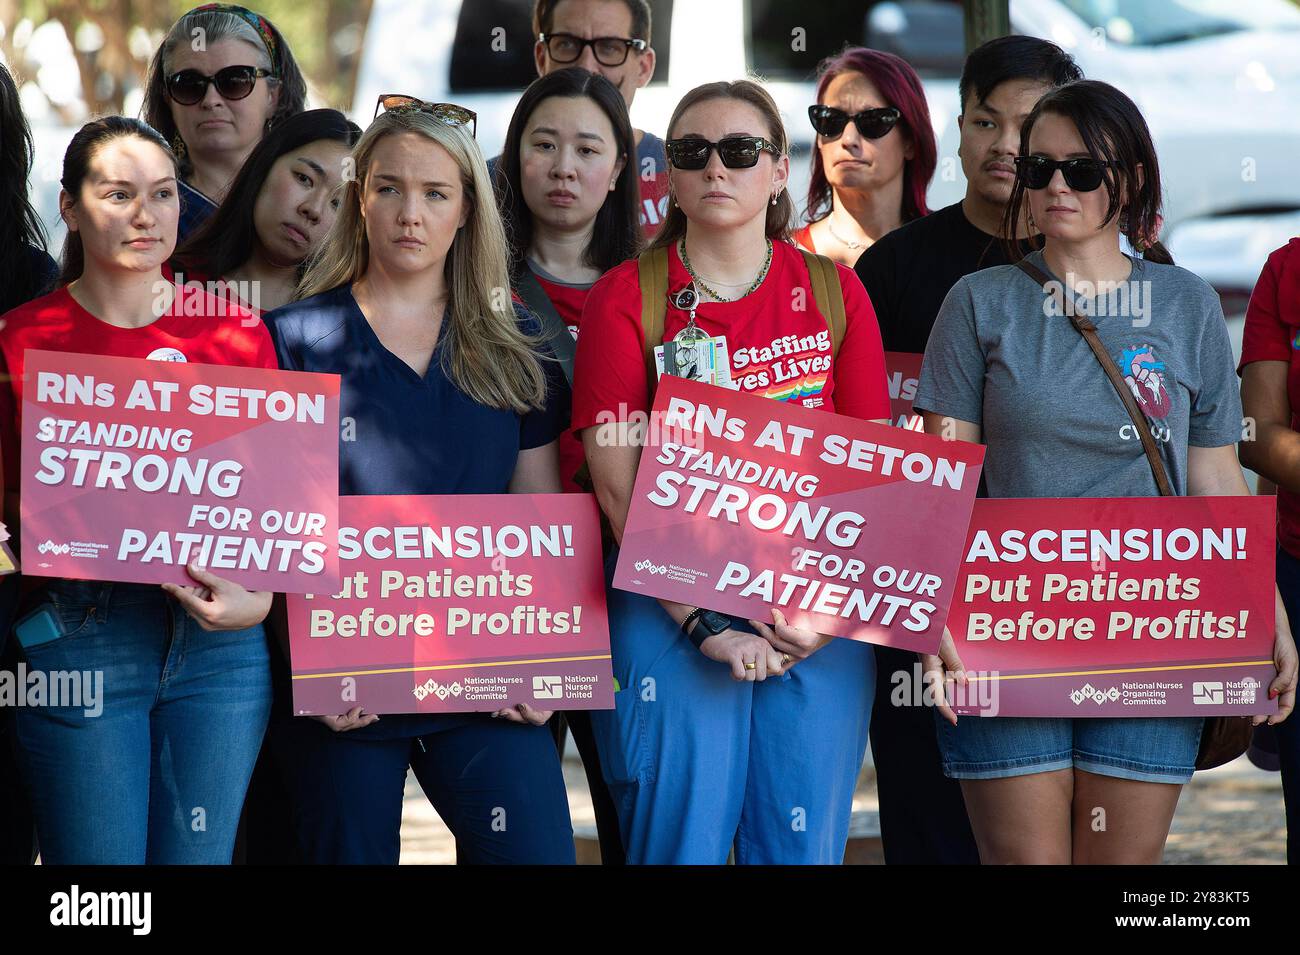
x=568, y=196
x=221, y=79
x=1004, y=368
x=277, y=212
x=875, y=153
x=449, y=395
x=186, y=687
x=723, y=727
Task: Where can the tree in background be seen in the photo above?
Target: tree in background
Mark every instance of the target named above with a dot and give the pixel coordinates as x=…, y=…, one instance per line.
x=113, y=41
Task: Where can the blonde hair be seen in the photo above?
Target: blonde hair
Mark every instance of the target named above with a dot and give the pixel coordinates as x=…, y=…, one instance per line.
x=487, y=355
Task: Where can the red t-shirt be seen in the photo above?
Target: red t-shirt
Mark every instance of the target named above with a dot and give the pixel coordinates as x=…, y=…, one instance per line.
x=1272, y=333
x=776, y=350
x=568, y=301
x=197, y=328
x=804, y=238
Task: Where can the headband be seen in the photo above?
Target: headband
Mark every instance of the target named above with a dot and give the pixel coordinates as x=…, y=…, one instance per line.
x=258, y=22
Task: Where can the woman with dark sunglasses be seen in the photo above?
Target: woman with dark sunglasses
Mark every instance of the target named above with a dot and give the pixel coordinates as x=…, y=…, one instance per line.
x=215, y=100
x=727, y=733
x=1004, y=366
x=874, y=156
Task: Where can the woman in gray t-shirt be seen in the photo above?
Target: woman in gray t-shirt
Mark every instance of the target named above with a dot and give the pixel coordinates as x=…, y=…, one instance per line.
x=1005, y=367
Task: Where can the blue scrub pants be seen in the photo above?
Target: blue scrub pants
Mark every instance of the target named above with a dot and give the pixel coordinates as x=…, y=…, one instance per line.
x=699, y=763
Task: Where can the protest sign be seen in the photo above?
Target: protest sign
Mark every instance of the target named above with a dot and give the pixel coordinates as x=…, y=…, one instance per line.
x=851, y=528
x=458, y=603
x=903, y=370
x=132, y=468
x=1117, y=607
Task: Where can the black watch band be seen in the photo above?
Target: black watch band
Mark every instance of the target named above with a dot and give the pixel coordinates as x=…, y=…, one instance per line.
x=700, y=624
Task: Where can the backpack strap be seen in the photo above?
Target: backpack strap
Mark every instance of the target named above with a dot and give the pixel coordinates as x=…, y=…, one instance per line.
x=554, y=331
x=827, y=293
x=652, y=273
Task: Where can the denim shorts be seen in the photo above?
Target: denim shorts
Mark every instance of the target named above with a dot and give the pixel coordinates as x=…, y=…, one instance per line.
x=1151, y=749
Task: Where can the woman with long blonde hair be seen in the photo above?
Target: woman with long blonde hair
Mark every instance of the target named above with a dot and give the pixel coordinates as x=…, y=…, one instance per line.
x=408, y=301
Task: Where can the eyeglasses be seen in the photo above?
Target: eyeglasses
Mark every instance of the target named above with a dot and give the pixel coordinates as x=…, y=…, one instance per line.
x=736, y=152
x=1081, y=175
x=609, y=50
x=448, y=113
x=233, y=82
x=829, y=122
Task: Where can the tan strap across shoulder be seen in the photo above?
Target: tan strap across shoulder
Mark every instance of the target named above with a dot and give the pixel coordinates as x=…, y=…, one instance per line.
x=652, y=273
x=824, y=277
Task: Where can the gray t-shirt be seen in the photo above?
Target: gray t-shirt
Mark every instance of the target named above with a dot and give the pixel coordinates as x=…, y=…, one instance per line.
x=1051, y=419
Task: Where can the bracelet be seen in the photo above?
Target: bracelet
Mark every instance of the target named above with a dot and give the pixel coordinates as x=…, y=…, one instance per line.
x=689, y=623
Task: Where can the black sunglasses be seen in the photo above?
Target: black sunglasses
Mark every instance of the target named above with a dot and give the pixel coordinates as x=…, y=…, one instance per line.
x=1081, y=175
x=233, y=82
x=829, y=122
x=736, y=152
x=609, y=50
x=449, y=113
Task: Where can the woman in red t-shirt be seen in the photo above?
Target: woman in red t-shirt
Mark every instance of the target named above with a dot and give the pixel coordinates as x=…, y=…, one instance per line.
x=567, y=186
x=152, y=761
x=875, y=153
x=275, y=215
x=1270, y=397
x=566, y=183
x=732, y=735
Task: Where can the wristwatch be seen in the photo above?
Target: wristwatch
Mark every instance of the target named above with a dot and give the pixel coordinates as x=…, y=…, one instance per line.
x=700, y=624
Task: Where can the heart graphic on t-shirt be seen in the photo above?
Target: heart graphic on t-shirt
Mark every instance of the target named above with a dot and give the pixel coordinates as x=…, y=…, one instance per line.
x=1144, y=376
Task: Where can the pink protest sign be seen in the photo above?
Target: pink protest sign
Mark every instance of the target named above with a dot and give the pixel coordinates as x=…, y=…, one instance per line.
x=1117, y=607
x=458, y=603
x=742, y=504
x=904, y=372
x=132, y=468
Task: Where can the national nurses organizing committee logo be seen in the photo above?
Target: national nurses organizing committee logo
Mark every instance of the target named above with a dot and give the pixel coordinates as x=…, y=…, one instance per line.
x=1145, y=377
x=166, y=354
x=1088, y=692
x=440, y=690
x=49, y=547
x=650, y=567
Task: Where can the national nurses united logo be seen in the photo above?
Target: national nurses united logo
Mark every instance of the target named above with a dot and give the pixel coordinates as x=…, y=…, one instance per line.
x=1145, y=377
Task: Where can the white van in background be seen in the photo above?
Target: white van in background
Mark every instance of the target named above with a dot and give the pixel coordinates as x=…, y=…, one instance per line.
x=1218, y=81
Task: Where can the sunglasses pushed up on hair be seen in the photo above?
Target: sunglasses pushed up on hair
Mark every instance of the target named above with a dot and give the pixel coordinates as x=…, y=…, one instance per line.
x=1082, y=175
x=736, y=152
x=188, y=87
x=448, y=113
x=830, y=122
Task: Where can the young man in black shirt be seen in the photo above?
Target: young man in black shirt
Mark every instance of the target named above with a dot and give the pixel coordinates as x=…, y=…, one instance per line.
x=908, y=273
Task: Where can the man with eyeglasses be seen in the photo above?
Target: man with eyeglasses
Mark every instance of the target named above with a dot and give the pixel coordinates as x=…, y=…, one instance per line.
x=612, y=38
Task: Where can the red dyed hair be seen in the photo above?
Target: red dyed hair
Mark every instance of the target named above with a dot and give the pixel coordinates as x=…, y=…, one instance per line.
x=899, y=85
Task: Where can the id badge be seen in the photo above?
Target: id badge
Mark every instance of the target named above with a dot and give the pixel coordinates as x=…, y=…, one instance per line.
x=703, y=359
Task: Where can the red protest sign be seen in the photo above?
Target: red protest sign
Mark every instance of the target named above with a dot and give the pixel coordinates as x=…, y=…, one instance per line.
x=132, y=468
x=458, y=603
x=742, y=504
x=1117, y=607
x=903, y=369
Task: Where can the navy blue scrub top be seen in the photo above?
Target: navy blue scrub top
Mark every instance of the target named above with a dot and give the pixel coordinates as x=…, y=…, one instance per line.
x=409, y=434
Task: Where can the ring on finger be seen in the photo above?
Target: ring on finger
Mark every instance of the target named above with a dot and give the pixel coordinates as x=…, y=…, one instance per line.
x=750, y=665
x=785, y=658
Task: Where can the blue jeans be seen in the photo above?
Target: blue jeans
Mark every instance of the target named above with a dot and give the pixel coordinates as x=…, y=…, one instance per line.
x=159, y=775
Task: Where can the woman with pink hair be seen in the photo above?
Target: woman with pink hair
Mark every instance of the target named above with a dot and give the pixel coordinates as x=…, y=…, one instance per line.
x=875, y=153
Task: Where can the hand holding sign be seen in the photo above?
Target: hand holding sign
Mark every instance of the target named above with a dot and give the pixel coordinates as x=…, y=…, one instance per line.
x=220, y=604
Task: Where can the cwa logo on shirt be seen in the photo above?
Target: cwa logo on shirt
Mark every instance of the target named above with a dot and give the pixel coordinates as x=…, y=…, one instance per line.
x=166, y=354
x=1145, y=377
x=790, y=368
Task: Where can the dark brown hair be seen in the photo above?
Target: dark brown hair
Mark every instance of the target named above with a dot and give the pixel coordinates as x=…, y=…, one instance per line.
x=76, y=164
x=1113, y=131
x=544, y=17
